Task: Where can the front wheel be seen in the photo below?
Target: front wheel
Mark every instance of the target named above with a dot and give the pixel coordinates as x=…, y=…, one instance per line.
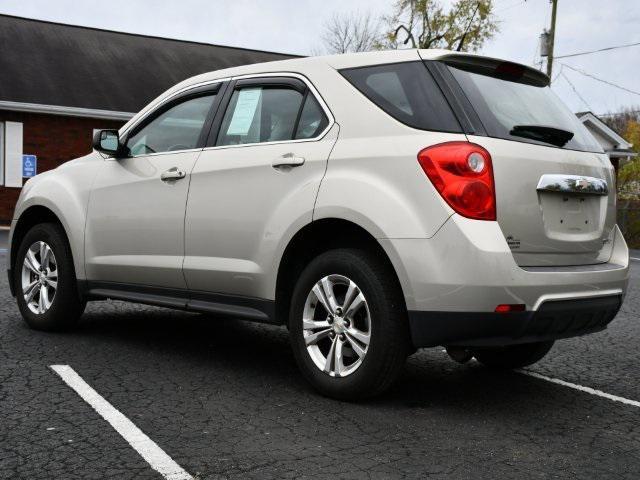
x=513, y=356
x=348, y=325
x=45, y=280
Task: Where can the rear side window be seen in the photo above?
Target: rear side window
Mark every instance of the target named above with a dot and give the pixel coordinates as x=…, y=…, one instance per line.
x=407, y=92
x=312, y=119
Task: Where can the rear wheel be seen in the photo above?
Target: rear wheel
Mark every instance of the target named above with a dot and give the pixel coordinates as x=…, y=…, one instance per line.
x=348, y=325
x=513, y=356
x=44, y=276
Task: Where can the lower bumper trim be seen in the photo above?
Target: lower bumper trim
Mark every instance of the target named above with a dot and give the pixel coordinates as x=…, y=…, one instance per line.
x=554, y=319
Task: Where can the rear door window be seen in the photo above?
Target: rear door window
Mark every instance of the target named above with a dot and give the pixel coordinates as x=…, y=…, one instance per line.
x=271, y=113
x=260, y=114
x=407, y=92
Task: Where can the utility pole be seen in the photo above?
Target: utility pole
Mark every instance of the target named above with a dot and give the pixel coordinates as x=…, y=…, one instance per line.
x=552, y=35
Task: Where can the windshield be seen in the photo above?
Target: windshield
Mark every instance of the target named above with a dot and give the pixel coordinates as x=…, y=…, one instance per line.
x=522, y=112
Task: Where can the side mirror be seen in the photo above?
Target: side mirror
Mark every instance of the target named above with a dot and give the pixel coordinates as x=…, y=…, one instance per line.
x=108, y=141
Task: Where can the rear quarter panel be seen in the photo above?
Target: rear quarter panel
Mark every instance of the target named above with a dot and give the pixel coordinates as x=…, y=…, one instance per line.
x=373, y=176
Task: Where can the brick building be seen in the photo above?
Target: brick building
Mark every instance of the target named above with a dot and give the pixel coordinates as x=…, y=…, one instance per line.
x=58, y=83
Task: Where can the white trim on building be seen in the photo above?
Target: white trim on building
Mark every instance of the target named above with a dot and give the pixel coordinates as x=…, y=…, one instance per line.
x=612, y=143
x=66, y=111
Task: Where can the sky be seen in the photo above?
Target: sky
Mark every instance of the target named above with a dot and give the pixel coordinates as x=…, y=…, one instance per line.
x=296, y=26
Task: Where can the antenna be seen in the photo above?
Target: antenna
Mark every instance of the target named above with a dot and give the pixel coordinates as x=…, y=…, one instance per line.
x=464, y=35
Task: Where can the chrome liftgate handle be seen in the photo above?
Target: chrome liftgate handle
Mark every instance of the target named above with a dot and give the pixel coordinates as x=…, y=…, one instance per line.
x=572, y=184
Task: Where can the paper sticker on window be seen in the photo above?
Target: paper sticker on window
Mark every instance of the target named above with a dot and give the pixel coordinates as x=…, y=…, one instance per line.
x=245, y=111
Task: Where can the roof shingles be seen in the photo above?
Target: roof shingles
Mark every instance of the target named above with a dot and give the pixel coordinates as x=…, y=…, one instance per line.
x=55, y=64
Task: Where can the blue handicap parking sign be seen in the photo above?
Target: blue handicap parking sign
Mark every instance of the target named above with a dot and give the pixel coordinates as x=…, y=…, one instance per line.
x=29, y=166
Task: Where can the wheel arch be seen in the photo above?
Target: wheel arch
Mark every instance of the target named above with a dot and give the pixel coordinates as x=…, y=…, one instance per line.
x=318, y=237
x=31, y=216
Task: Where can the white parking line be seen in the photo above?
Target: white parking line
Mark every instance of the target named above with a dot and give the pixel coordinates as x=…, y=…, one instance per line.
x=147, y=448
x=634, y=258
x=592, y=391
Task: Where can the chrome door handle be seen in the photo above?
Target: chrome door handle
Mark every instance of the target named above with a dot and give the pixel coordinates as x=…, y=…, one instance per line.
x=172, y=174
x=288, y=160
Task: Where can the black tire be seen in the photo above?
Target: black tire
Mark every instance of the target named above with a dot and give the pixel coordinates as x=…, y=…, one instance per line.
x=389, y=343
x=513, y=356
x=67, y=306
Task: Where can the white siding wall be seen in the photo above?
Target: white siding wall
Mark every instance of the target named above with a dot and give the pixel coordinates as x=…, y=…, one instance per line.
x=13, y=154
x=1, y=154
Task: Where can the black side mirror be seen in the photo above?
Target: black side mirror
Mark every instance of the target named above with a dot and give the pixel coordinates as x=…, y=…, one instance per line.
x=108, y=141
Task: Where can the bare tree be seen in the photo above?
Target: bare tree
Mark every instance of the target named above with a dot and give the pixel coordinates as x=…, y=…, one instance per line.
x=353, y=32
x=619, y=121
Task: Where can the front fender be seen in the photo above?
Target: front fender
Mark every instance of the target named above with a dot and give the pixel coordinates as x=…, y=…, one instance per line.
x=65, y=191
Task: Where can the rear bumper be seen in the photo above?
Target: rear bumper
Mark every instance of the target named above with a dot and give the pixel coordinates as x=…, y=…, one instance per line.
x=552, y=321
x=467, y=266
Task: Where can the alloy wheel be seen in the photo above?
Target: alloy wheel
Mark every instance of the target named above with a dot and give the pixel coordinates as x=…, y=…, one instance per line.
x=39, y=277
x=336, y=325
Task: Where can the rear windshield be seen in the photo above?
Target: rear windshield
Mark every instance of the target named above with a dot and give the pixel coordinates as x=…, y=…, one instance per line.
x=407, y=92
x=523, y=112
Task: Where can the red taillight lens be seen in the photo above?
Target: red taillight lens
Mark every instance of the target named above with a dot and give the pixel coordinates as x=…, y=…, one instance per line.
x=463, y=174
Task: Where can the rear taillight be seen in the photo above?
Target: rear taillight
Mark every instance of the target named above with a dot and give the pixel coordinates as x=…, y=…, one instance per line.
x=463, y=174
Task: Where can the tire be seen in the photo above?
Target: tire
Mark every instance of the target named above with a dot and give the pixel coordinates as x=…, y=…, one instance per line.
x=513, y=356
x=383, y=312
x=65, y=305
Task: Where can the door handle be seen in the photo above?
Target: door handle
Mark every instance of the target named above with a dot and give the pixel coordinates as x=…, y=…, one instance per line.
x=172, y=174
x=288, y=160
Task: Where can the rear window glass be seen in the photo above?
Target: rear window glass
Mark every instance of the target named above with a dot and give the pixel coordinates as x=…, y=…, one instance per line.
x=407, y=92
x=526, y=113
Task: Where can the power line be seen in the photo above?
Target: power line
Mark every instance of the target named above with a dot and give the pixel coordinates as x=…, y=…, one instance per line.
x=575, y=90
x=587, y=74
x=599, y=50
x=557, y=74
x=613, y=114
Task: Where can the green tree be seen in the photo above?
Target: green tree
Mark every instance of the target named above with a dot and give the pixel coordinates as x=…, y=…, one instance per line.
x=629, y=174
x=427, y=24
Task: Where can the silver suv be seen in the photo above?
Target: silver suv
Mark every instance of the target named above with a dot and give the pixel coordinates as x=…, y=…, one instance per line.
x=372, y=203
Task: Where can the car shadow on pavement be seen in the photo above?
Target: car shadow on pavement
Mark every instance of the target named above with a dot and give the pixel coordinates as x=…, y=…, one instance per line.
x=244, y=349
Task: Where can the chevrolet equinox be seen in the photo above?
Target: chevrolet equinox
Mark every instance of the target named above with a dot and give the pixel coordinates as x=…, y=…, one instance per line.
x=373, y=203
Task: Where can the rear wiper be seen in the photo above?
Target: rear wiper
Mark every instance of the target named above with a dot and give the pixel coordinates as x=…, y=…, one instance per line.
x=552, y=135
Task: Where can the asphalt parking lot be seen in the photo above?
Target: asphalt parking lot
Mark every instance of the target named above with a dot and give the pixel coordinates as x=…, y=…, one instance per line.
x=224, y=399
